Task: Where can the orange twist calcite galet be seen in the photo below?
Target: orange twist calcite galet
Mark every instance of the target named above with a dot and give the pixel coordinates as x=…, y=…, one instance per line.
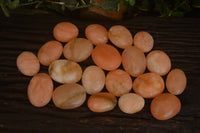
x=106, y=56
x=165, y=106
x=118, y=82
x=148, y=85
x=120, y=36
x=134, y=61
x=65, y=71
x=96, y=34
x=78, y=49
x=93, y=79
x=131, y=103
x=65, y=31
x=40, y=90
x=28, y=64
x=158, y=62
x=102, y=102
x=144, y=41
x=176, y=81
x=49, y=52
x=69, y=96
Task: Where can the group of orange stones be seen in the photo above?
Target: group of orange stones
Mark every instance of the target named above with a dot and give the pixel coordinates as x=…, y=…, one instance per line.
x=129, y=77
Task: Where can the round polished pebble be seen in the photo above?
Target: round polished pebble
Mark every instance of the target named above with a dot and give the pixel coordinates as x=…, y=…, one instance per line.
x=65, y=71
x=69, y=96
x=106, y=56
x=144, y=41
x=97, y=34
x=78, y=49
x=102, y=102
x=176, y=81
x=131, y=103
x=49, y=52
x=148, y=85
x=118, y=82
x=158, y=62
x=120, y=36
x=28, y=64
x=134, y=61
x=65, y=31
x=165, y=106
x=93, y=79
x=40, y=90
